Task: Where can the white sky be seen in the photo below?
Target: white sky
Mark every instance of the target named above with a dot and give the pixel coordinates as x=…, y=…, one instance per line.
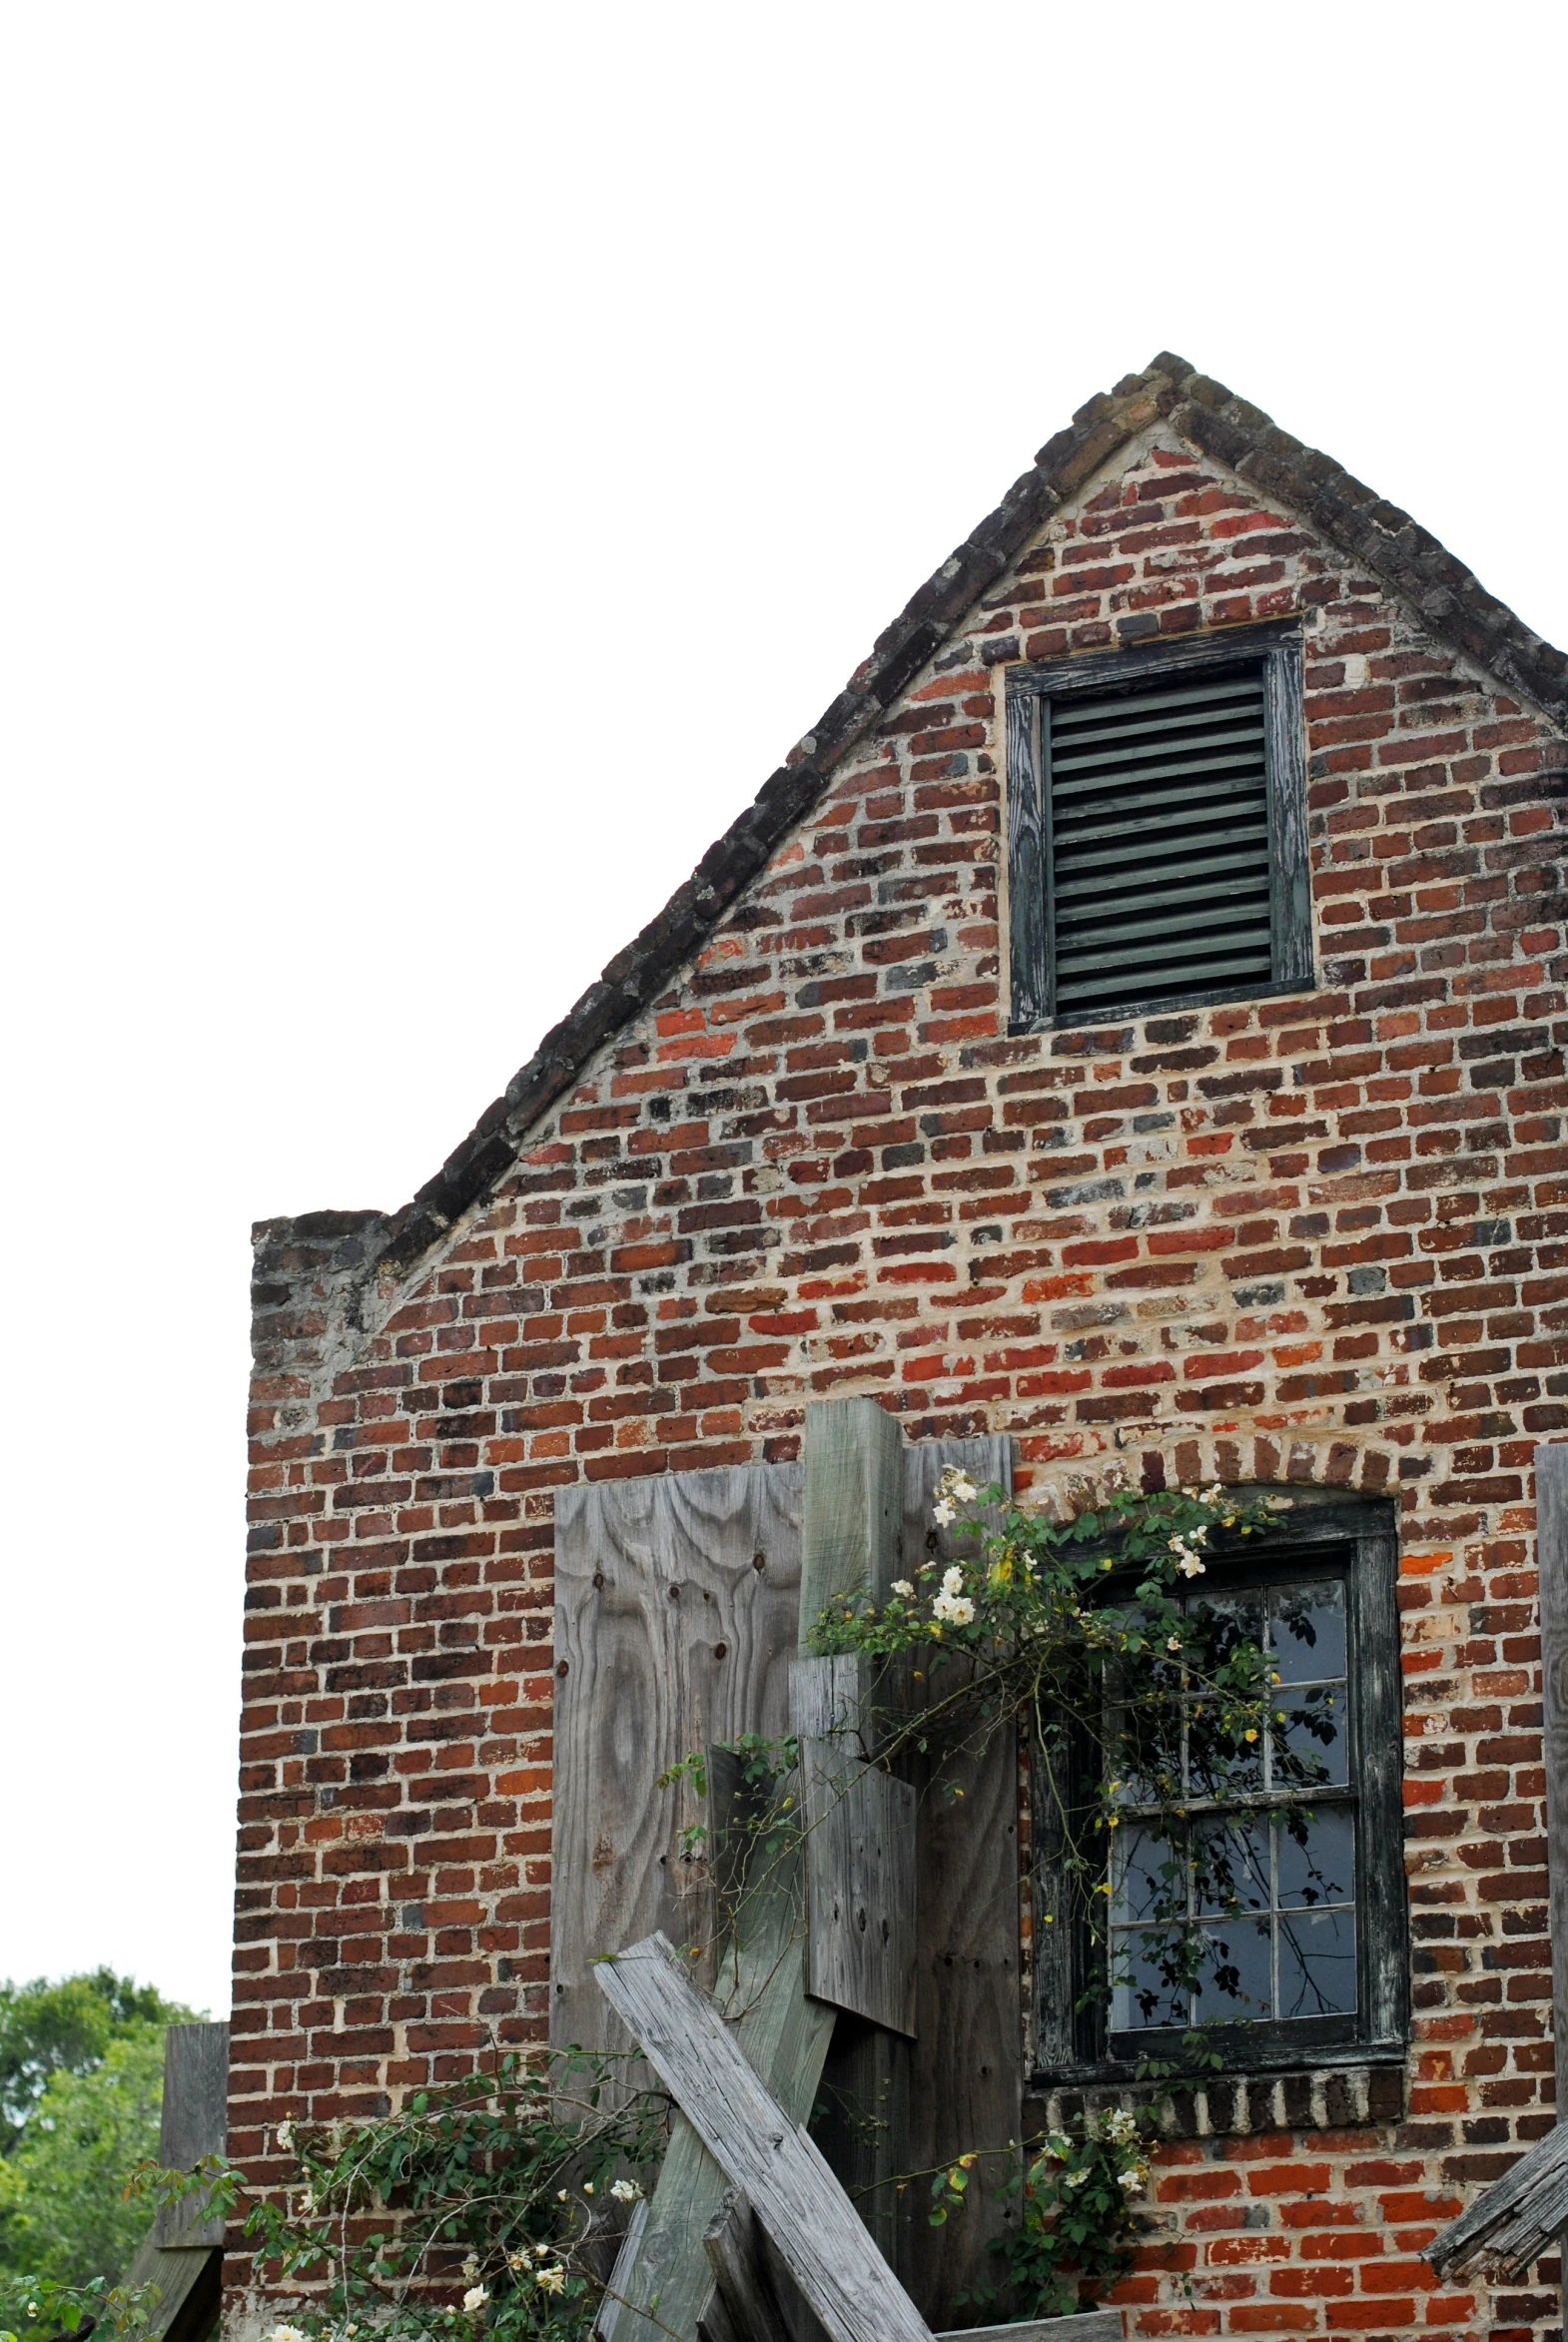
x=448, y=454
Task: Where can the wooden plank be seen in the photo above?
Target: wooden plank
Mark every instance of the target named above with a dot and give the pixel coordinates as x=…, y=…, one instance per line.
x=193, y=2122
x=1291, y=891
x=852, y=1505
x=734, y=2254
x=189, y=2279
x=1551, y=1535
x=859, y=1852
x=782, y=2033
x=614, y=2318
x=1512, y=2222
x=1091, y=2325
x=1030, y=967
x=966, y=2065
x=750, y=2135
x=676, y=1603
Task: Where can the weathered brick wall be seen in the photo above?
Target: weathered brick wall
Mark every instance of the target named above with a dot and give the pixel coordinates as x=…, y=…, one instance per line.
x=1311, y=1238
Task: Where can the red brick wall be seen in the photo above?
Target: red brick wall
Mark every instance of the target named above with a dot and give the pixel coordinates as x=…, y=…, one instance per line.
x=1302, y=1238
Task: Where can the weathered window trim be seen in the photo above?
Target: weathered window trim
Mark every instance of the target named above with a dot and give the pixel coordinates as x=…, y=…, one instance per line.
x=1071, y=2045
x=1031, y=686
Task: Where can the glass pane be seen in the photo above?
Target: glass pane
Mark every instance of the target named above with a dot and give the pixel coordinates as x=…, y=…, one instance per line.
x=1215, y=1624
x=1231, y=1866
x=1317, y=1962
x=1317, y=1857
x=1217, y=1763
x=1148, y=1877
x=1235, y=1983
x=1151, y=1969
x=1312, y=1748
x=1307, y=1631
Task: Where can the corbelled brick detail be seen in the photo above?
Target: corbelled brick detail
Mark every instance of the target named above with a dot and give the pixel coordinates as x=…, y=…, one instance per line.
x=1306, y=1239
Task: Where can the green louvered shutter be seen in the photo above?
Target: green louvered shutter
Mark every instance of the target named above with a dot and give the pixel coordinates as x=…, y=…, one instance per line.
x=1159, y=851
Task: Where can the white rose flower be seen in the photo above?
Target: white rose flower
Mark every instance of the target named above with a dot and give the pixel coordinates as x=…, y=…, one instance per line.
x=1190, y=1566
x=625, y=2191
x=1132, y=2182
x=944, y=1513
x=470, y=2268
x=953, y=1609
x=553, y=2280
x=473, y=2301
x=286, y=2136
x=286, y=2334
x=952, y=1581
x=902, y=1586
x=963, y=1488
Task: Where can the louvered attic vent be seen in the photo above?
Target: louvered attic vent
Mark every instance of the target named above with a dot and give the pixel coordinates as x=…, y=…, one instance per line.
x=1158, y=845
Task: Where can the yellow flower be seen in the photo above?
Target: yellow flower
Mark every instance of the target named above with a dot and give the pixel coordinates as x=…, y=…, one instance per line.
x=1249, y=1733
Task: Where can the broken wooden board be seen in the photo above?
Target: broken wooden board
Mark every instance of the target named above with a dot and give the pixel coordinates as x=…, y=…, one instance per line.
x=1512, y=2222
x=785, y=2037
x=758, y=2300
x=859, y=1851
x=810, y=2219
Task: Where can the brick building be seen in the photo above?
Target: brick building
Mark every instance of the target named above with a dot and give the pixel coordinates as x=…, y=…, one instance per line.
x=1221, y=1139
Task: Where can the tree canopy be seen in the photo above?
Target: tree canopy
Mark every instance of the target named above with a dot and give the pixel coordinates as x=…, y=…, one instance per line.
x=81, y=2084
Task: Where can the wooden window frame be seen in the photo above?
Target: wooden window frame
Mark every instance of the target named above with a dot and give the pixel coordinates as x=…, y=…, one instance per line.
x=1030, y=689
x=1072, y=2044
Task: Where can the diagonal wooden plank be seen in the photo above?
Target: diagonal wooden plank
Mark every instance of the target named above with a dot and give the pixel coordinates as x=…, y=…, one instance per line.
x=782, y=2033
x=816, y=2229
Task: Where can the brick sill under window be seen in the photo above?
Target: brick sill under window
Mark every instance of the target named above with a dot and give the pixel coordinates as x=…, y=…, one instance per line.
x=1356, y=2090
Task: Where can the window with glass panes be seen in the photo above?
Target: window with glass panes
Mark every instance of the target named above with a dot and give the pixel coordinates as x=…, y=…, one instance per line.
x=1253, y=1890
x=1245, y=1910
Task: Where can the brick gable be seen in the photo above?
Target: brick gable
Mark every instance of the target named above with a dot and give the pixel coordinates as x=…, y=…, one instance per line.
x=1305, y=1238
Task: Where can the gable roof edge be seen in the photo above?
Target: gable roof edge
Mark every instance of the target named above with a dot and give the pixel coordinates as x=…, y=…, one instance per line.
x=636, y=975
x=1447, y=596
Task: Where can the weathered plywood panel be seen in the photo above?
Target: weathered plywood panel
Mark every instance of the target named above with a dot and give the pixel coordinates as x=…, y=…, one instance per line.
x=676, y=1617
x=967, y=2073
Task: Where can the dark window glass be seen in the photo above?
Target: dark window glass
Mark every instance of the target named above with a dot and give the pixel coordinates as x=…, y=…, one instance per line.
x=1256, y=1891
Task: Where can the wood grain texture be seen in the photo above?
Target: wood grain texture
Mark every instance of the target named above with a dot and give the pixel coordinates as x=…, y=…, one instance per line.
x=1512, y=2222
x=189, y=2279
x=1291, y=892
x=792, y=2191
x=966, y=2065
x=1091, y=2325
x=677, y=1602
x=614, y=2318
x=1026, y=862
x=735, y=2251
x=851, y=1504
x=193, y=2122
x=859, y=1853
x=1551, y=1530
x=784, y=2036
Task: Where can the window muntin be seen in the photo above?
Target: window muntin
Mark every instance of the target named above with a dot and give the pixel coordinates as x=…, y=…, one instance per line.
x=1245, y=1910
x=1332, y=1565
